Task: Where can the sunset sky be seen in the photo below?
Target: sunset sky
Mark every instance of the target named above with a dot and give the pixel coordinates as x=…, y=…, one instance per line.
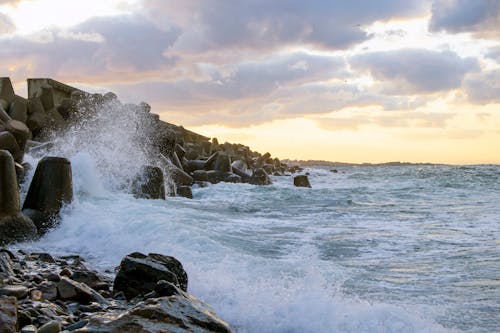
x=352, y=81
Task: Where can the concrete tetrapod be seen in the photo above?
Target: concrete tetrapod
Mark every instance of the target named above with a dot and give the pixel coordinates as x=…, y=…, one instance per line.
x=50, y=189
x=14, y=226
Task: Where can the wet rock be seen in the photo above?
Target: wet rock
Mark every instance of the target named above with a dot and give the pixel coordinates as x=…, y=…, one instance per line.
x=165, y=288
x=77, y=325
x=49, y=290
x=301, y=181
x=29, y=329
x=52, y=326
x=20, y=132
x=185, y=191
x=240, y=165
x=68, y=289
x=260, y=177
x=200, y=175
x=17, y=291
x=149, y=184
x=24, y=318
x=195, y=165
x=36, y=295
x=5, y=266
x=213, y=176
x=138, y=274
x=49, y=190
x=206, y=147
x=14, y=226
x=232, y=178
x=44, y=257
x=177, y=313
x=8, y=314
x=90, y=278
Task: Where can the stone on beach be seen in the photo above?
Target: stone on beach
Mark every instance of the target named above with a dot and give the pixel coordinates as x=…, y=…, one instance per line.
x=149, y=184
x=260, y=177
x=8, y=314
x=138, y=273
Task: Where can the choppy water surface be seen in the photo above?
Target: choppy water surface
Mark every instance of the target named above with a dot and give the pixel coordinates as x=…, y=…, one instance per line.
x=368, y=249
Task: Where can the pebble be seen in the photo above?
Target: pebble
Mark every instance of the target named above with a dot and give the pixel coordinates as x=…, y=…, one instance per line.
x=52, y=326
x=18, y=291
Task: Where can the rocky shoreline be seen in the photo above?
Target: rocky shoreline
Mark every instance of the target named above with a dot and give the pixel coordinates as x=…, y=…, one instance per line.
x=44, y=294
x=41, y=293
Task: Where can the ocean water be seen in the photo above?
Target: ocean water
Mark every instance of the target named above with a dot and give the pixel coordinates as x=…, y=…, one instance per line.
x=367, y=249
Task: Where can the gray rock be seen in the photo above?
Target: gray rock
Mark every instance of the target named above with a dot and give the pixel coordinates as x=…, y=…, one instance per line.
x=52, y=326
x=185, y=191
x=175, y=314
x=6, y=90
x=260, y=177
x=5, y=266
x=68, y=289
x=29, y=329
x=8, y=142
x=8, y=314
x=200, y=175
x=301, y=181
x=138, y=274
x=18, y=109
x=50, y=189
x=232, y=178
x=223, y=163
x=17, y=291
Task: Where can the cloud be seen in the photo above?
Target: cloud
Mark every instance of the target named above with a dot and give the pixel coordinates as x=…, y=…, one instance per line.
x=415, y=71
x=481, y=17
x=483, y=88
x=390, y=120
x=104, y=47
x=262, y=24
x=494, y=53
x=6, y=24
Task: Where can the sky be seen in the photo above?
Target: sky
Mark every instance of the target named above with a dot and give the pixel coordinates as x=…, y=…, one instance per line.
x=350, y=81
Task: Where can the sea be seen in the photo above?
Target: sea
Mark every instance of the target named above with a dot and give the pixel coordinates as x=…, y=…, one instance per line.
x=408, y=248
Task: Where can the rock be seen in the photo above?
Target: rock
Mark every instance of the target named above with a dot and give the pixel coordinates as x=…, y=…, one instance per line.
x=5, y=267
x=232, y=178
x=46, y=95
x=14, y=226
x=35, y=106
x=49, y=190
x=68, y=289
x=206, y=147
x=213, y=176
x=66, y=108
x=49, y=290
x=17, y=291
x=268, y=168
x=149, y=184
x=185, y=191
x=18, y=109
x=165, y=288
x=90, y=278
x=8, y=314
x=36, y=295
x=24, y=318
x=138, y=274
x=52, y=326
x=37, y=121
x=240, y=165
x=223, y=163
x=177, y=313
x=334, y=171
x=29, y=329
x=6, y=90
x=20, y=132
x=8, y=142
x=77, y=325
x=210, y=162
x=260, y=177
x=195, y=165
x=245, y=177
x=301, y=181
x=43, y=257
x=179, y=150
x=200, y=175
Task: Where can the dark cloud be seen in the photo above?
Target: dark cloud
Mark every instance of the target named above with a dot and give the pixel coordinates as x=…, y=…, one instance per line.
x=6, y=24
x=263, y=24
x=483, y=88
x=415, y=71
x=477, y=16
x=98, y=47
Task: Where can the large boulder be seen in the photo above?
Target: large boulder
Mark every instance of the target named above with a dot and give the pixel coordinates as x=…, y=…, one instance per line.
x=301, y=181
x=6, y=90
x=180, y=313
x=50, y=189
x=14, y=226
x=8, y=142
x=260, y=177
x=18, y=109
x=149, y=184
x=138, y=273
x=68, y=289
